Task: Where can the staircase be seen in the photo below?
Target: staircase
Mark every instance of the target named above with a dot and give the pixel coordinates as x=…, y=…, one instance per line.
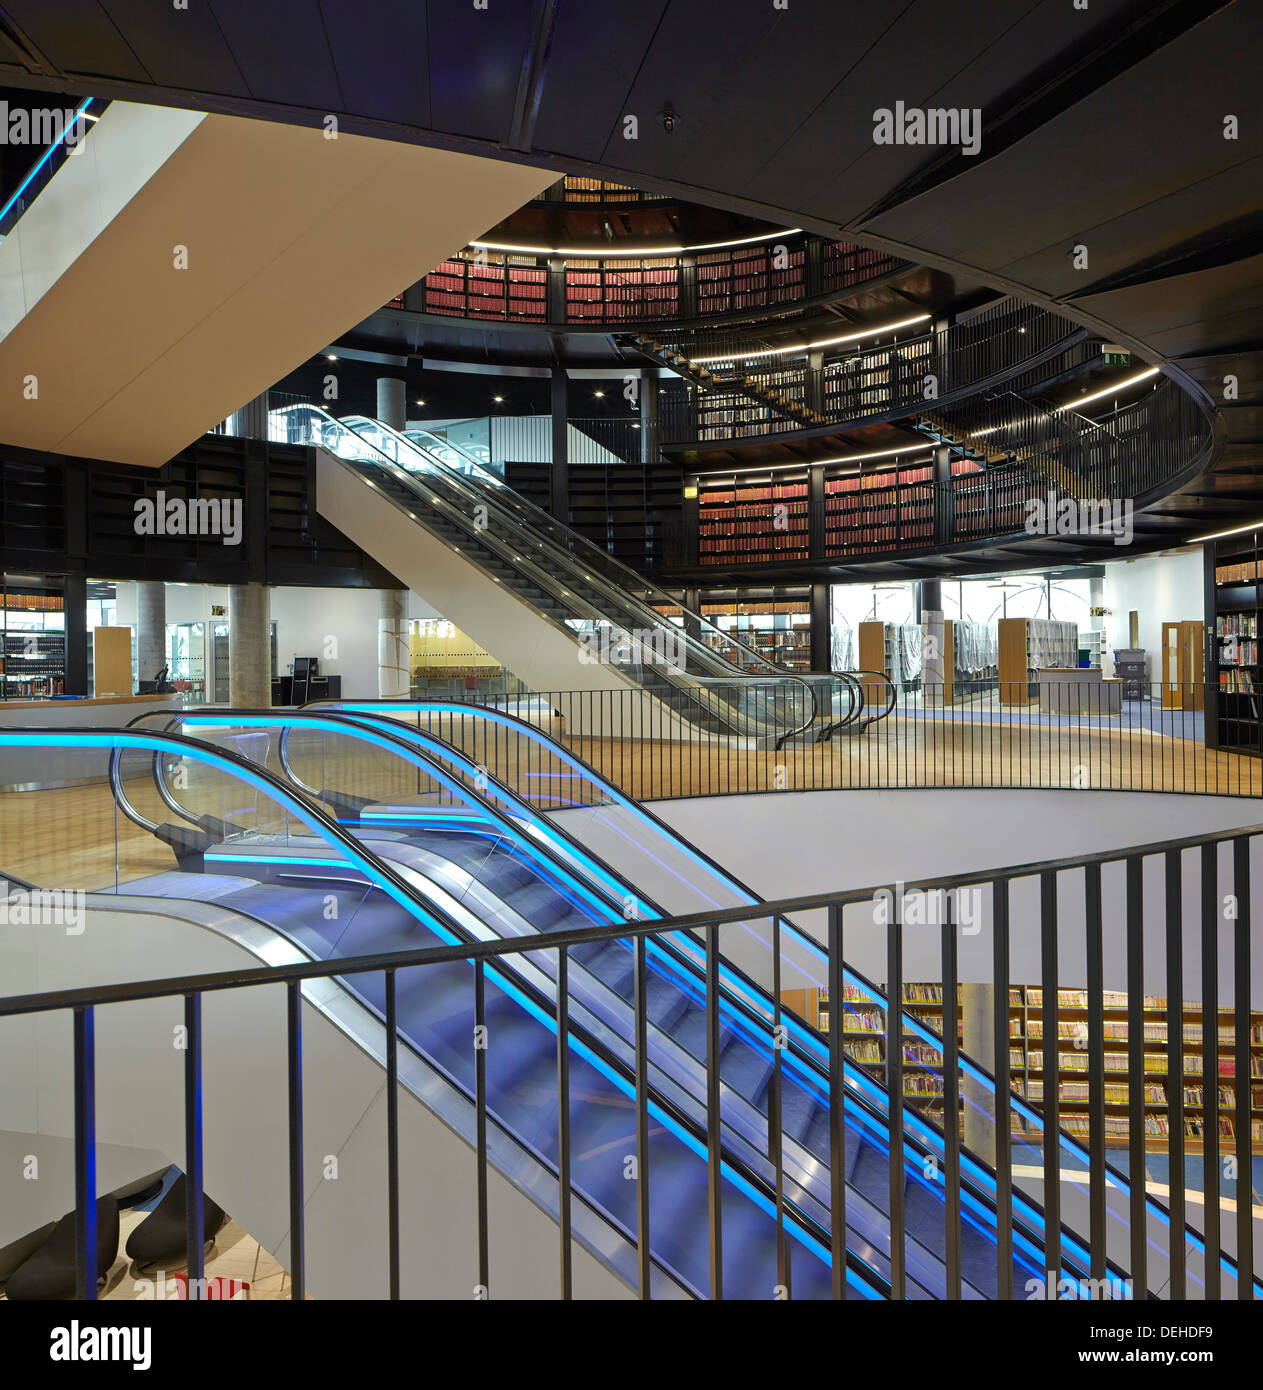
x=1062, y=478
x=705, y=380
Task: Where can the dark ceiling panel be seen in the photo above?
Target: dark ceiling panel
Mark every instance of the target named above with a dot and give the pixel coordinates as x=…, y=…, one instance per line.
x=925, y=59
x=1190, y=217
x=1190, y=314
x=381, y=52
x=179, y=48
x=710, y=65
x=595, y=54
x=282, y=50
x=77, y=36
x=1111, y=153
x=475, y=65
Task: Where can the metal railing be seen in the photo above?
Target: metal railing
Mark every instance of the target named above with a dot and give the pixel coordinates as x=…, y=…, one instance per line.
x=1083, y=738
x=521, y=287
x=1164, y=1253
x=911, y=371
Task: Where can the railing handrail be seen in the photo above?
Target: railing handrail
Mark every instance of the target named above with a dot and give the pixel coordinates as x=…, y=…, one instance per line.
x=128, y=992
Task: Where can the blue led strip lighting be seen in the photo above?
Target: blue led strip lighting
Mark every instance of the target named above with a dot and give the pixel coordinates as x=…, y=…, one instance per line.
x=41, y=162
x=153, y=743
x=811, y=1042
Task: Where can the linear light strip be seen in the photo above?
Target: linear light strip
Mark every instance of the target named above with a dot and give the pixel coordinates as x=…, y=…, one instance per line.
x=1109, y=390
x=874, y=332
x=600, y=253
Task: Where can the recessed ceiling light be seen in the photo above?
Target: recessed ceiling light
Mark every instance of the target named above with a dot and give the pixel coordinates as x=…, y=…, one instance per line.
x=332, y=356
x=497, y=398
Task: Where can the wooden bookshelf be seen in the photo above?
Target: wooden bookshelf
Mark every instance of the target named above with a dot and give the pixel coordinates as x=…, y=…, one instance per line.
x=1235, y=711
x=865, y=1043
x=752, y=519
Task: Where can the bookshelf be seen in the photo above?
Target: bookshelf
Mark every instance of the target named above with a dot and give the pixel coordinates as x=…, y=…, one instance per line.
x=1233, y=606
x=752, y=520
x=1026, y=1060
x=894, y=648
x=1027, y=645
x=881, y=509
x=32, y=645
x=626, y=509
x=778, y=628
x=865, y=1043
x=488, y=285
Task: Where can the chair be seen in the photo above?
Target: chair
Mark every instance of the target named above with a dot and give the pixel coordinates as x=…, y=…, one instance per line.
x=49, y=1273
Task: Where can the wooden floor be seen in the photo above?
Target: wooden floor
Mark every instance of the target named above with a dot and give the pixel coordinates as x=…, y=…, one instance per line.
x=75, y=837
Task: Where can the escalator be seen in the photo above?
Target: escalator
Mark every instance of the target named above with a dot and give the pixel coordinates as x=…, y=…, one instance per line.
x=589, y=620
x=261, y=854
x=442, y=818
x=632, y=843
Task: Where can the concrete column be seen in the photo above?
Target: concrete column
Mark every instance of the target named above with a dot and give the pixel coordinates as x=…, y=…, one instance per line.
x=393, y=664
x=392, y=402
x=978, y=1042
x=933, y=640
x=933, y=656
x=250, y=646
x=151, y=628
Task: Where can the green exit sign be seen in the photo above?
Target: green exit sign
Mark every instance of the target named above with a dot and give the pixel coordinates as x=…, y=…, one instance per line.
x=1116, y=355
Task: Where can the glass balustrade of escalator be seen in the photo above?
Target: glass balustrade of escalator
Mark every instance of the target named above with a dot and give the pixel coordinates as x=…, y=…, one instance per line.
x=643, y=850
x=477, y=849
x=610, y=624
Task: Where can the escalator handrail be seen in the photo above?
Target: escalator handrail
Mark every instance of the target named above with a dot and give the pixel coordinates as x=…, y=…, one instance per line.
x=612, y=590
x=968, y=1065
x=372, y=865
x=914, y=1121
x=534, y=518
x=862, y=678
x=400, y=737
x=586, y=610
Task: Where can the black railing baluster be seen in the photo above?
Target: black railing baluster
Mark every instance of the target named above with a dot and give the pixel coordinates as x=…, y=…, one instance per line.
x=1049, y=982
x=837, y=1107
x=1136, y=1075
x=86, y=1232
x=1243, y=1079
x=775, y=1117
x=1002, y=1034
x=951, y=1100
x=1175, y=1067
x=392, y=1132
x=294, y=1055
x=714, y=1173
x=894, y=1084
x=1096, y=1072
x=194, y=1180
x=1210, y=1085
x=481, y=1043
x=641, y=1003
x=563, y=1120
